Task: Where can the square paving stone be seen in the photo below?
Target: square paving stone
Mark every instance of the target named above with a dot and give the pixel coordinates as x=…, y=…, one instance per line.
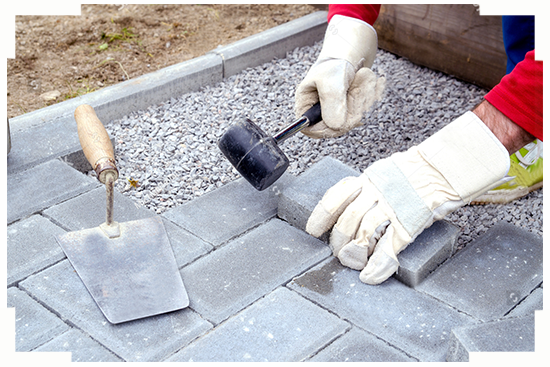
x=491, y=275
x=31, y=247
x=359, y=346
x=81, y=346
x=222, y=214
x=42, y=186
x=409, y=320
x=281, y=327
x=145, y=340
x=506, y=335
x=34, y=324
x=245, y=269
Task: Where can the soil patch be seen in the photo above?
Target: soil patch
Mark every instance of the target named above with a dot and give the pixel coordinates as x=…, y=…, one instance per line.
x=61, y=57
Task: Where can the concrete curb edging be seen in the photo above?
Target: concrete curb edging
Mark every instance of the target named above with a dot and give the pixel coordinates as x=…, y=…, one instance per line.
x=139, y=93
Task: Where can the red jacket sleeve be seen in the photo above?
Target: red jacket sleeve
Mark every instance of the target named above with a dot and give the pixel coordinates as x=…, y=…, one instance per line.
x=519, y=95
x=367, y=13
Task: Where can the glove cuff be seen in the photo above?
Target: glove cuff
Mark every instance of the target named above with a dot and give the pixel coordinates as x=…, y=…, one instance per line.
x=350, y=39
x=468, y=155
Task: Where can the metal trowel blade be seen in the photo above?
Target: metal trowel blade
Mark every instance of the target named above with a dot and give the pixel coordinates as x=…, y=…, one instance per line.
x=129, y=277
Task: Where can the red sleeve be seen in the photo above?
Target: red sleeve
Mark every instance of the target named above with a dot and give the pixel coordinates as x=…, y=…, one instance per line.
x=367, y=13
x=519, y=95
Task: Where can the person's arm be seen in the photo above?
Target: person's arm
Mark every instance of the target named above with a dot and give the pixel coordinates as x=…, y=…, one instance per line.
x=518, y=96
x=510, y=134
x=367, y=13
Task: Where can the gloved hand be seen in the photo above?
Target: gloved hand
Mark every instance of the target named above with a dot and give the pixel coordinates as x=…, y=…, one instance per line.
x=341, y=78
x=384, y=209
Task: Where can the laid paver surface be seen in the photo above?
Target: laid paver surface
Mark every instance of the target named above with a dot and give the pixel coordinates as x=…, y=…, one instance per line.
x=274, y=273
x=271, y=330
x=416, y=323
x=260, y=287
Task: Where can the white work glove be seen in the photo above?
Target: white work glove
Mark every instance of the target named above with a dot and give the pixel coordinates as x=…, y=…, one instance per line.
x=341, y=78
x=384, y=209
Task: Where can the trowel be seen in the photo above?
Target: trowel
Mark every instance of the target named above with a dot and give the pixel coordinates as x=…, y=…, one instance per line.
x=129, y=268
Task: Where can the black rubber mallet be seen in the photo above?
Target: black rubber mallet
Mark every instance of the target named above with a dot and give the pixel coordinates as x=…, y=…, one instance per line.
x=256, y=155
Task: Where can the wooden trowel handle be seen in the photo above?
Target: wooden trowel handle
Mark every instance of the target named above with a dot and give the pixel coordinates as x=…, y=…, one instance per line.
x=95, y=142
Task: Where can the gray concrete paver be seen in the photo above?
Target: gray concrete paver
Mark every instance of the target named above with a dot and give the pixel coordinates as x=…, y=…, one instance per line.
x=507, y=335
x=299, y=198
x=220, y=215
x=42, y=186
x=415, y=323
x=31, y=247
x=359, y=346
x=81, y=346
x=491, y=275
x=150, y=339
x=186, y=246
x=247, y=268
x=60, y=138
x=34, y=324
x=281, y=327
x=89, y=210
x=430, y=249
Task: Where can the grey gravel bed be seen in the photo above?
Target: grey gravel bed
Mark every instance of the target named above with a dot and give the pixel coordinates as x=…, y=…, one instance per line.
x=171, y=149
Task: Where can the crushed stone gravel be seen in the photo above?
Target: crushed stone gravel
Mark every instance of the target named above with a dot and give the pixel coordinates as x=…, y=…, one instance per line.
x=170, y=150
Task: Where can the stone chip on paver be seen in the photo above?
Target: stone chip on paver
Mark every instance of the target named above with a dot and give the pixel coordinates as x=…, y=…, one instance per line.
x=82, y=347
x=415, y=323
x=220, y=215
x=491, y=275
x=42, y=186
x=529, y=305
x=359, y=346
x=145, y=340
x=34, y=324
x=281, y=327
x=31, y=246
x=506, y=335
x=248, y=267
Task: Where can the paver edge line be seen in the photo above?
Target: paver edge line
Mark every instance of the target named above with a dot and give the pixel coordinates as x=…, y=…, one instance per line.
x=65, y=109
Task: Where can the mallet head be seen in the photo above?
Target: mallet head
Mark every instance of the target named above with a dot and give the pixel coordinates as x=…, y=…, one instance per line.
x=253, y=153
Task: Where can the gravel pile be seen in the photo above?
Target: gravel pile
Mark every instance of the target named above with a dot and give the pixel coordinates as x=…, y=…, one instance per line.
x=171, y=149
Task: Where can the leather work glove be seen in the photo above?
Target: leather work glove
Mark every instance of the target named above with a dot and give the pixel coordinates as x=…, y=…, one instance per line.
x=341, y=78
x=380, y=212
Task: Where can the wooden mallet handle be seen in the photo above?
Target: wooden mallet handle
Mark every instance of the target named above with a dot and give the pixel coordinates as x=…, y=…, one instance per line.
x=95, y=142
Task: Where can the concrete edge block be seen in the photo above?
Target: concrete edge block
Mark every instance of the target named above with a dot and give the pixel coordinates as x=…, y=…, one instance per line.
x=138, y=93
x=272, y=43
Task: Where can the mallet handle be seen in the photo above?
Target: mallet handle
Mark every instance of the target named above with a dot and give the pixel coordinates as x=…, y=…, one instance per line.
x=309, y=118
